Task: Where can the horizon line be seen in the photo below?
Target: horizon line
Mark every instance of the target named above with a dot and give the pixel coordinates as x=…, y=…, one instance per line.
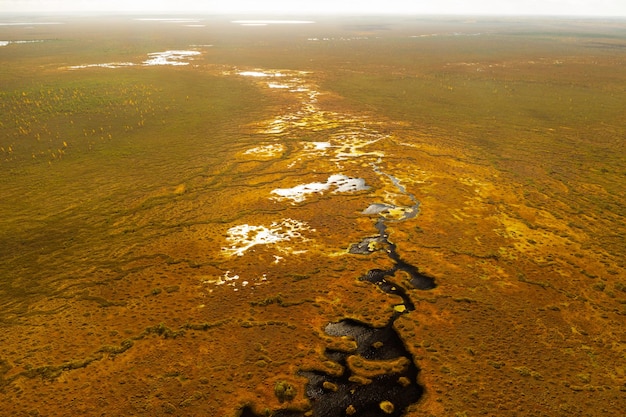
x=69, y=12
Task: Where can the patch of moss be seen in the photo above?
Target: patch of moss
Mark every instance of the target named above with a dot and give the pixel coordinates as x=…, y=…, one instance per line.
x=116, y=350
x=522, y=370
x=205, y=326
x=387, y=407
x=284, y=391
x=161, y=330
x=277, y=299
x=54, y=371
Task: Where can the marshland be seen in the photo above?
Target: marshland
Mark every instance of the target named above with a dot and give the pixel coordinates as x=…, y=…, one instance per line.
x=222, y=216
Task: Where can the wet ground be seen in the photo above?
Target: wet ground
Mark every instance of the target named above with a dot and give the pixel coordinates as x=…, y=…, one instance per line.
x=366, y=217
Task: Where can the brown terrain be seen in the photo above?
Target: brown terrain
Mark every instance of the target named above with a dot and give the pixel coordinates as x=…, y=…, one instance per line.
x=175, y=239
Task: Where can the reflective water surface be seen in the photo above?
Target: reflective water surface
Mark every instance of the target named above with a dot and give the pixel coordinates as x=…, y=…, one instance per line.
x=367, y=216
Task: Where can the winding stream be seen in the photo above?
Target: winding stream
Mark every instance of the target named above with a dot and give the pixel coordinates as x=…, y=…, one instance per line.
x=374, y=373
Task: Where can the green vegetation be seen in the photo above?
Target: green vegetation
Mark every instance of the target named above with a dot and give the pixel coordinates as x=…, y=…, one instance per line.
x=387, y=407
x=116, y=350
x=276, y=299
x=120, y=187
x=284, y=391
x=79, y=147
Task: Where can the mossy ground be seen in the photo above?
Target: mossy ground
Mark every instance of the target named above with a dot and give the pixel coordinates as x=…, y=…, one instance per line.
x=119, y=186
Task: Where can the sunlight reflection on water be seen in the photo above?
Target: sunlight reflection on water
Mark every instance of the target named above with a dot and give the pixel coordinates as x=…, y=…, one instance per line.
x=169, y=57
x=244, y=236
x=340, y=182
x=174, y=58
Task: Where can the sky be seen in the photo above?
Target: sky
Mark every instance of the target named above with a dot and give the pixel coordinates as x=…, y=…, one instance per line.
x=454, y=7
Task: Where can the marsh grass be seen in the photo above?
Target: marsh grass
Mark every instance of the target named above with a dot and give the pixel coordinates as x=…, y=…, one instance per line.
x=78, y=147
x=545, y=112
x=119, y=187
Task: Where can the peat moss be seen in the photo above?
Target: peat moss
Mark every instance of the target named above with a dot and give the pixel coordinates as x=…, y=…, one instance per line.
x=284, y=391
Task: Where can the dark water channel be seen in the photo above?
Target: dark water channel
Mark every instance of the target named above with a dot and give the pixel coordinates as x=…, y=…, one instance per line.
x=379, y=375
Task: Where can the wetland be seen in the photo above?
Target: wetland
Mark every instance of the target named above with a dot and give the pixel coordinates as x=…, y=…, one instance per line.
x=365, y=216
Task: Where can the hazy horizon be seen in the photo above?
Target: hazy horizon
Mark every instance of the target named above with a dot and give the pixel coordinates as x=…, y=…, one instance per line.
x=598, y=8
